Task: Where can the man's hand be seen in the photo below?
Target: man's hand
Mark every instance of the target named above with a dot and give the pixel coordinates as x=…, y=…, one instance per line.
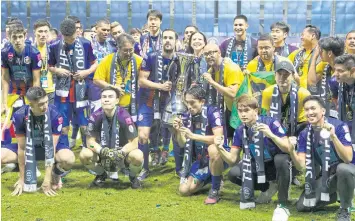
x=265, y=129
x=177, y=123
x=62, y=72
x=330, y=128
x=47, y=189
x=122, y=91
x=166, y=86
x=316, y=52
x=219, y=141
x=18, y=188
x=80, y=75
x=187, y=132
x=293, y=143
x=207, y=77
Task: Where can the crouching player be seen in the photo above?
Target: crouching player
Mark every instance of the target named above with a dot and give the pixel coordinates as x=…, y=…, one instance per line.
x=112, y=141
x=38, y=132
x=195, y=132
x=264, y=144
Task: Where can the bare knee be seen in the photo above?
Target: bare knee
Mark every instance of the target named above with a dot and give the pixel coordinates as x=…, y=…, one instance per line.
x=65, y=158
x=86, y=155
x=143, y=136
x=136, y=157
x=184, y=190
x=213, y=153
x=7, y=156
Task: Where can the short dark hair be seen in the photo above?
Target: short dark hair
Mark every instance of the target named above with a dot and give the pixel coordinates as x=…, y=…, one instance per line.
x=314, y=98
x=333, y=44
x=12, y=20
x=16, y=28
x=241, y=17
x=352, y=31
x=74, y=18
x=170, y=29
x=103, y=21
x=197, y=91
x=265, y=37
x=190, y=50
x=347, y=60
x=55, y=31
x=281, y=25
x=40, y=23
x=191, y=26
x=67, y=27
x=314, y=30
x=35, y=93
x=124, y=37
x=111, y=88
x=155, y=13
x=135, y=31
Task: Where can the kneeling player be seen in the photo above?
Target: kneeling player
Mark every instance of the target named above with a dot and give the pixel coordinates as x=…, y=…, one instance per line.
x=324, y=143
x=38, y=132
x=263, y=142
x=195, y=132
x=113, y=142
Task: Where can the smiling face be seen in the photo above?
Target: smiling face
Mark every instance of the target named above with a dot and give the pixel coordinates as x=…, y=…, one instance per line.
x=314, y=112
x=240, y=27
x=197, y=42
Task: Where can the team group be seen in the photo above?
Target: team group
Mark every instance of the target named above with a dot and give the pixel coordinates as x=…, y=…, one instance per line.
x=264, y=108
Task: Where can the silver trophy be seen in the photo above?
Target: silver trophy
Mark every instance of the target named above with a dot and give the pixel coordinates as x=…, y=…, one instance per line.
x=176, y=106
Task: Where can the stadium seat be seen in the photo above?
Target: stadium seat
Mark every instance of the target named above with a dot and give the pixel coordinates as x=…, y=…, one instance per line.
x=251, y=9
x=4, y=15
x=273, y=12
x=139, y=13
x=38, y=11
x=205, y=16
x=164, y=8
x=296, y=17
x=119, y=12
x=345, y=16
x=226, y=13
x=57, y=13
x=78, y=9
x=182, y=16
x=19, y=9
x=321, y=14
x=97, y=11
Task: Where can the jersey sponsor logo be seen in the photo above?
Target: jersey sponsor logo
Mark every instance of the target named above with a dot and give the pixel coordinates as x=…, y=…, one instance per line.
x=10, y=56
x=39, y=57
x=218, y=122
x=277, y=124
x=348, y=137
x=90, y=126
x=216, y=115
x=140, y=117
x=59, y=128
x=130, y=128
x=346, y=129
x=128, y=121
x=27, y=60
x=39, y=64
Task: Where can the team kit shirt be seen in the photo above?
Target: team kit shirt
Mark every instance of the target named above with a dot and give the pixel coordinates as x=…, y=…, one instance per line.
x=46, y=80
x=237, y=55
x=20, y=118
x=270, y=148
x=303, y=72
x=343, y=134
x=301, y=95
x=145, y=95
x=20, y=67
x=102, y=49
x=154, y=42
x=231, y=74
x=89, y=59
x=127, y=130
x=103, y=72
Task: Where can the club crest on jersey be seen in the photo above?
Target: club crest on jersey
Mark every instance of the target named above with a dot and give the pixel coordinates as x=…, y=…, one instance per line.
x=27, y=60
x=128, y=121
x=140, y=117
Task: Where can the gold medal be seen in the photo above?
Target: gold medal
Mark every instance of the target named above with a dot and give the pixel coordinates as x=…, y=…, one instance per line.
x=324, y=133
x=349, y=115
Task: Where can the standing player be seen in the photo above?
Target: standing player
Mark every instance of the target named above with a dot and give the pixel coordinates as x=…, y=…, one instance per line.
x=240, y=47
x=72, y=60
x=279, y=33
x=113, y=142
x=152, y=41
x=41, y=28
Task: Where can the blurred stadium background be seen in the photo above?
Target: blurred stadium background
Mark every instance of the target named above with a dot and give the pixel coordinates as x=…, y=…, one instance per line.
x=213, y=17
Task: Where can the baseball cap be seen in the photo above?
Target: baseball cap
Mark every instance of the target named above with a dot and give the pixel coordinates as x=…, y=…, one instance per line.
x=285, y=65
